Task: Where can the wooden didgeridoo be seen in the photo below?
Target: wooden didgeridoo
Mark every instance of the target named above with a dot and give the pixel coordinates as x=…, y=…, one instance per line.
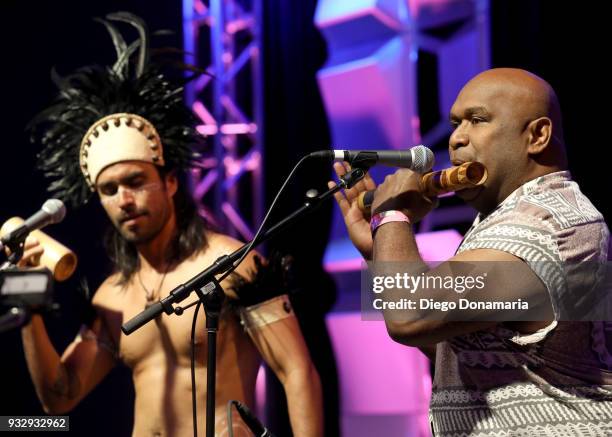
x=435, y=183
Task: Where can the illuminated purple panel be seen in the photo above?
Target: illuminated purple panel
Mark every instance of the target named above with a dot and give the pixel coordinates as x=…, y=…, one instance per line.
x=458, y=62
x=369, y=82
x=431, y=13
x=369, y=99
x=332, y=14
x=384, y=386
x=341, y=255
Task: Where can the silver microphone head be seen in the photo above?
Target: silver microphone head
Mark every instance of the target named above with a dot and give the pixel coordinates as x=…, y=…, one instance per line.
x=422, y=159
x=56, y=210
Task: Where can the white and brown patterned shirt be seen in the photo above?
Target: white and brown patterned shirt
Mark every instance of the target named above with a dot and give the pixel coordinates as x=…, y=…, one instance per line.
x=557, y=381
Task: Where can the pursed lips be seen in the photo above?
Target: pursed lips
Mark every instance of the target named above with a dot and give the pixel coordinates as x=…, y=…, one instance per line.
x=457, y=162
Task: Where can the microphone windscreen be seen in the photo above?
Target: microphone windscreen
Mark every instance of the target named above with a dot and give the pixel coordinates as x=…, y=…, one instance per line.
x=56, y=209
x=422, y=159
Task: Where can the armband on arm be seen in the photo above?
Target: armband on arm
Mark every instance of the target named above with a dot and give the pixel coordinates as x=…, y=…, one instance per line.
x=264, y=300
x=265, y=313
x=269, y=280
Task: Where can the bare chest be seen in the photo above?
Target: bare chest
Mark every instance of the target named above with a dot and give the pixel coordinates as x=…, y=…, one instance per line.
x=165, y=340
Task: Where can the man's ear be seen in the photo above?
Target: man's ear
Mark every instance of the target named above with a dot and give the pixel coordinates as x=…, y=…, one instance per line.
x=539, y=133
x=171, y=183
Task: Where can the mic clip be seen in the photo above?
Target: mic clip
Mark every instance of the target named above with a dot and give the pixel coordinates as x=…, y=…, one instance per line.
x=356, y=174
x=364, y=160
x=15, y=243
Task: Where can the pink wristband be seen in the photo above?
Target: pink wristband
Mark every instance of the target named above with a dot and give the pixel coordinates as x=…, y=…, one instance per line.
x=381, y=218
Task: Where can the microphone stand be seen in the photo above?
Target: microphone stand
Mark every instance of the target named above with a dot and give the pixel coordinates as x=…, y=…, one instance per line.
x=16, y=316
x=211, y=294
x=15, y=244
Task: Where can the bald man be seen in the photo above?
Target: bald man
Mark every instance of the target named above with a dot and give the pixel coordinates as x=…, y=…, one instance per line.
x=503, y=378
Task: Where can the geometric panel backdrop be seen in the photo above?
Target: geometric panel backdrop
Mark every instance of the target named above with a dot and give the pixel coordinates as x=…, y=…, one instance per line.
x=393, y=70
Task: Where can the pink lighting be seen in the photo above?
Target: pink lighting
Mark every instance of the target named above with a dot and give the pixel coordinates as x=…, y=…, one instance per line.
x=238, y=128
x=332, y=13
x=205, y=184
x=433, y=246
x=239, y=24
x=200, y=110
x=236, y=167
x=228, y=128
x=383, y=103
x=232, y=166
x=200, y=7
x=207, y=129
x=227, y=57
x=380, y=380
x=346, y=265
x=208, y=163
x=237, y=221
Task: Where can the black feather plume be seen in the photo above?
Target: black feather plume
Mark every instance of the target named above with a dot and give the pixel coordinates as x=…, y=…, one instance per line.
x=93, y=92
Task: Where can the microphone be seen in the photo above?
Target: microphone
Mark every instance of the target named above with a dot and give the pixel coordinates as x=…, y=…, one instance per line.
x=59, y=259
x=52, y=211
x=467, y=175
x=252, y=422
x=418, y=158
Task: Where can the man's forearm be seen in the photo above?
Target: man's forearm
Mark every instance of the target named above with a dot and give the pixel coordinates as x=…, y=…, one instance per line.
x=395, y=242
x=305, y=402
x=395, y=251
x=54, y=385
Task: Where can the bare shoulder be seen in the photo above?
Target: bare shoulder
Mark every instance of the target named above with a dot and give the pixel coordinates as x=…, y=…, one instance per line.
x=222, y=244
x=106, y=292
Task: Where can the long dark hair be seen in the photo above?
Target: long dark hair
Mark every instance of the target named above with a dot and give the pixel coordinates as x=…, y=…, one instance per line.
x=190, y=237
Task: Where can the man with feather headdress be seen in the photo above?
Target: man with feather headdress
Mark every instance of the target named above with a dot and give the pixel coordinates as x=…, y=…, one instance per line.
x=124, y=133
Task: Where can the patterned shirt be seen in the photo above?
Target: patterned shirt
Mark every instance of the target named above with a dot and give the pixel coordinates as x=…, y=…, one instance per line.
x=557, y=381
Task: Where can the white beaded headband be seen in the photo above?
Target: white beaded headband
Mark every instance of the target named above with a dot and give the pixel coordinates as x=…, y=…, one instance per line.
x=117, y=138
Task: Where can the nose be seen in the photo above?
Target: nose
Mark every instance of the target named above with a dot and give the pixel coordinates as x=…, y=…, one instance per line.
x=125, y=196
x=459, y=138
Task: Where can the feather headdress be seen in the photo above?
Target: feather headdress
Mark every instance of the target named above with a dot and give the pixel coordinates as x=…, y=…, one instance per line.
x=133, y=97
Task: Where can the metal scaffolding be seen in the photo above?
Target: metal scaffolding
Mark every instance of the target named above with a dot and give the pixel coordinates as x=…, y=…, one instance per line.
x=224, y=37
